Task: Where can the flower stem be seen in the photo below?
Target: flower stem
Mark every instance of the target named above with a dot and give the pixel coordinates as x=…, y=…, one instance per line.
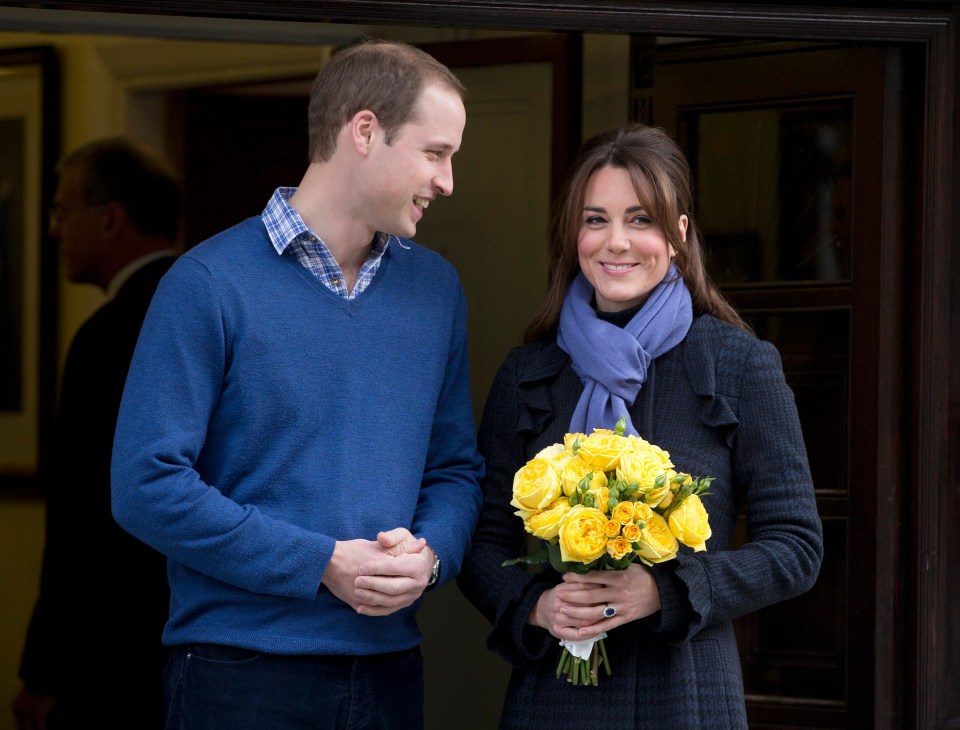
x=606, y=661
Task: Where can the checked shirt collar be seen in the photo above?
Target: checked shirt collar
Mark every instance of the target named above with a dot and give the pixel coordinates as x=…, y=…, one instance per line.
x=288, y=232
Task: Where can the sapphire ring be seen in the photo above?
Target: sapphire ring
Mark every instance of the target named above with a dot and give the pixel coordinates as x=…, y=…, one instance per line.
x=609, y=611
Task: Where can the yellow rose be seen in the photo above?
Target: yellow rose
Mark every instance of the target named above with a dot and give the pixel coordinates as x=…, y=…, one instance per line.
x=641, y=445
x=601, y=497
x=602, y=449
x=688, y=523
x=612, y=528
x=657, y=543
x=624, y=513
x=557, y=455
x=637, y=443
x=525, y=514
x=535, y=485
x=545, y=524
x=643, y=467
x=576, y=469
x=583, y=536
x=661, y=497
x=571, y=438
x=631, y=532
x=550, y=453
x=618, y=547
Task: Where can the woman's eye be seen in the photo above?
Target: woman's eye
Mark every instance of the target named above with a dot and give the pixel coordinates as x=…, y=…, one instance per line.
x=642, y=220
x=594, y=220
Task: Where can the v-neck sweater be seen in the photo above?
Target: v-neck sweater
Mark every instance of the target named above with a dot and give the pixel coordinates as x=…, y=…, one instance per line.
x=265, y=417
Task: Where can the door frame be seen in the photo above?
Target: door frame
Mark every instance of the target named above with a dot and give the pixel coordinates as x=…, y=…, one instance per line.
x=932, y=307
x=733, y=76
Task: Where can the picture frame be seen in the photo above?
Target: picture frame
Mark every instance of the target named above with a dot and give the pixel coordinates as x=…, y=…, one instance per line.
x=29, y=148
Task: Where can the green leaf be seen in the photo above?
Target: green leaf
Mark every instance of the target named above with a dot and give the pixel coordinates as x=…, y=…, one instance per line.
x=542, y=556
x=556, y=562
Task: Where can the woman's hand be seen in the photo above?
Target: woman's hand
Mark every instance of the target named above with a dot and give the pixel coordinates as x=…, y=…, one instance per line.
x=574, y=610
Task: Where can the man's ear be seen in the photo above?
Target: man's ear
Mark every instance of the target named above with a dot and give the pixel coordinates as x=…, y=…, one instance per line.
x=363, y=129
x=113, y=219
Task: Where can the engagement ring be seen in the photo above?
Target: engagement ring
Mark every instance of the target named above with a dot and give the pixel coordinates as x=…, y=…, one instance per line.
x=609, y=611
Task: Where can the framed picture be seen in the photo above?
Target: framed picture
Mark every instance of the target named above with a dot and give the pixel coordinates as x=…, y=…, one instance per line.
x=28, y=262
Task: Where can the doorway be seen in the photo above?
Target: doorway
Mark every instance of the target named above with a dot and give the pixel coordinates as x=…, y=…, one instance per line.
x=792, y=175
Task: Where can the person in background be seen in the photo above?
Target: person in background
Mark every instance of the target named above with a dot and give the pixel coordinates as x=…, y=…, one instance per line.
x=296, y=433
x=633, y=326
x=93, y=653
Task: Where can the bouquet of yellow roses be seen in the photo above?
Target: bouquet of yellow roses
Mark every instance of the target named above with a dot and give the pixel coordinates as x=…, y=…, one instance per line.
x=600, y=502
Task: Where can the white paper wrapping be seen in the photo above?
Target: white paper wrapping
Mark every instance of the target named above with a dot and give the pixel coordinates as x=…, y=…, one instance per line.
x=582, y=649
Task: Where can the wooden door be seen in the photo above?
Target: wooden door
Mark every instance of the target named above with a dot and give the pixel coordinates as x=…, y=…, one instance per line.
x=238, y=143
x=787, y=142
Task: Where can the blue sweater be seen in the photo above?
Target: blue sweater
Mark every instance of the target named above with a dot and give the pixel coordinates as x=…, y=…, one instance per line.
x=264, y=418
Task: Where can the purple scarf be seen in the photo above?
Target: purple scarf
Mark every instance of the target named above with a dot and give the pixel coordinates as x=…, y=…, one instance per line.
x=611, y=361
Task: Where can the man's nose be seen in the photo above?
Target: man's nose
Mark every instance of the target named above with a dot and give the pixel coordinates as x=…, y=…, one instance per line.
x=443, y=181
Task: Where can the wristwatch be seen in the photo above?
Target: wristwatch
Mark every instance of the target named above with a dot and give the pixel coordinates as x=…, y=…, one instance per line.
x=435, y=575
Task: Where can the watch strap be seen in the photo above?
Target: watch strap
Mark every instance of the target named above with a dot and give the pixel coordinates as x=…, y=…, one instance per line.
x=435, y=575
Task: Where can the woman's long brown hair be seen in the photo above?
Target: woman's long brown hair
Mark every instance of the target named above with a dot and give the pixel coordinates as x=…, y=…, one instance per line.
x=661, y=179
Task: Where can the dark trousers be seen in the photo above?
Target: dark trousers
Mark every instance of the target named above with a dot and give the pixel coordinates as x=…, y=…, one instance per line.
x=211, y=687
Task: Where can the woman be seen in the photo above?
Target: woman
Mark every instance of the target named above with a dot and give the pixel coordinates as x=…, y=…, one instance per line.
x=633, y=325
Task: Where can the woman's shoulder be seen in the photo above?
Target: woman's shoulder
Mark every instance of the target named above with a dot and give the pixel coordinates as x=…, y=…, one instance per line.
x=708, y=328
x=536, y=360
x=720, y=340
x=722, y=357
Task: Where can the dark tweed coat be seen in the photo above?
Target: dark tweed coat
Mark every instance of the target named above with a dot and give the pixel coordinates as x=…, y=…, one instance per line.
x=719, y=404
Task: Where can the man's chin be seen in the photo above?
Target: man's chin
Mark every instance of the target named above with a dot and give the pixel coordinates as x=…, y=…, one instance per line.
x=405, y=231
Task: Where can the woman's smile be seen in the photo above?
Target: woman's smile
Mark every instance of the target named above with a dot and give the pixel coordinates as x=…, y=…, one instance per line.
x=614, y=227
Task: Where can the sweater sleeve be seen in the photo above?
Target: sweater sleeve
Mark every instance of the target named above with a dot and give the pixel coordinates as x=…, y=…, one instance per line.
x=784, y=548
x=172, y=390
x=504, y=595
x=449, y=499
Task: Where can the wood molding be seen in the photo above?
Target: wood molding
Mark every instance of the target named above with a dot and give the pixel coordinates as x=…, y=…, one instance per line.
x=928, y=547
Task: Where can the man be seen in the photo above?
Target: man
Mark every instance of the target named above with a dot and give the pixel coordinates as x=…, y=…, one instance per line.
x=103, y=594
x=296, y=433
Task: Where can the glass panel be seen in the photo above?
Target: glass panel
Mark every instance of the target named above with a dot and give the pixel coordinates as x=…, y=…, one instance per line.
x=815, y=348
x=773, y=189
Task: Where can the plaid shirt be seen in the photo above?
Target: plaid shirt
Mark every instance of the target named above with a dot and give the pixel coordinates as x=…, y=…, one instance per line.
x=288, y=232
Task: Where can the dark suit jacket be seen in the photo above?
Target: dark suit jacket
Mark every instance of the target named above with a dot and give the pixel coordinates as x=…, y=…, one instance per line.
x=719, y=404
x=103, y=594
